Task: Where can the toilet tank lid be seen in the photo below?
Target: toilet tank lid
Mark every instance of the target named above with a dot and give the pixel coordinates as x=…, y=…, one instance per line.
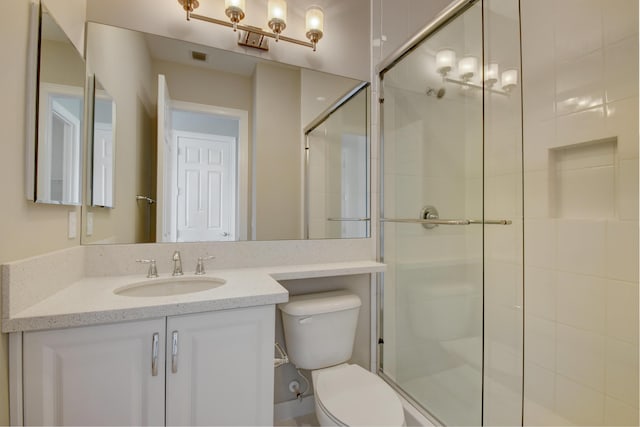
x=318, y=303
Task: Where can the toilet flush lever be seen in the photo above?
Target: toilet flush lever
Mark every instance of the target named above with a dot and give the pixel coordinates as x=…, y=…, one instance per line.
x=305, y=320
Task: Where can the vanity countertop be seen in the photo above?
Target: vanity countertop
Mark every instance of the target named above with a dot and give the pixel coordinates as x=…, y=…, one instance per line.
x=91, y=300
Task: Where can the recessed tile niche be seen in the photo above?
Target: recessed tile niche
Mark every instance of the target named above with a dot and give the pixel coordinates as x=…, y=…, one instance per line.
x=582, y=180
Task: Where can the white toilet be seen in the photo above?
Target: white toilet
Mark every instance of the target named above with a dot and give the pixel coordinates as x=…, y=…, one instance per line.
x=319, y=331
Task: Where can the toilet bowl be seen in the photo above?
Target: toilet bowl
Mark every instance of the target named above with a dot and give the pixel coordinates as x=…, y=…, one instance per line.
x=319, y=331
x=349, y=395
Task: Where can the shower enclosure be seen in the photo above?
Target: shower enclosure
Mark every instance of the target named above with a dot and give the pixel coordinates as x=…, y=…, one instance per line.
x=509, y=168
x=452, y=216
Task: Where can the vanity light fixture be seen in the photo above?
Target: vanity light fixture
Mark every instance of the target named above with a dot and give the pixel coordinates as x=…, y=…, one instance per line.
x=277, y=22
x=468, y=70
x=509, y=79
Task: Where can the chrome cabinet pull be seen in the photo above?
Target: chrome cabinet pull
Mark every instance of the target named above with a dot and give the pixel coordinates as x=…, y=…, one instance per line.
x=154, y=354
x=174, y=352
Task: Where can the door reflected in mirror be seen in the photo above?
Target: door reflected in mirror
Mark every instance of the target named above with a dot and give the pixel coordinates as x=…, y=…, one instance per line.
x=60, y=117
x=103, y=146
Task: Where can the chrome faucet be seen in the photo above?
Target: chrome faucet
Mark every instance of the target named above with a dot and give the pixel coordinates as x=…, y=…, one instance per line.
x=177, y=264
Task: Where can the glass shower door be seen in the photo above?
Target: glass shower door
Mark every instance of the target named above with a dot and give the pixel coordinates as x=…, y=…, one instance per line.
x=433, y=168
x=451, y=220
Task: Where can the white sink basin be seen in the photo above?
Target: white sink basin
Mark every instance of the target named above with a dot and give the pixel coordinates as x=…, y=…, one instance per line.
x=169, y=286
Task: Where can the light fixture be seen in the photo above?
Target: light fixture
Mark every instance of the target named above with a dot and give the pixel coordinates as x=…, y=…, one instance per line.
x=445, y=60
x=468, y=70
x=234, y=9
x=277, y=15
x=509, y=79
x=277, y=22
x=314, y=24
x=491, y=72
x=468, y=67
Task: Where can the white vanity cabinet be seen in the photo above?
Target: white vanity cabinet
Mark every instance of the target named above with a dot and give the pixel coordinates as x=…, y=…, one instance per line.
x=213, y=368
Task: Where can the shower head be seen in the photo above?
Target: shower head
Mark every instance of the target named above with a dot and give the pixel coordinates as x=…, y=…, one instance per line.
x=438, y=93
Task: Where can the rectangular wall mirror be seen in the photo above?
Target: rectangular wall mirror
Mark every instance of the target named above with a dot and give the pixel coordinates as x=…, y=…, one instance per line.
x=209, y=144
x=59, y=116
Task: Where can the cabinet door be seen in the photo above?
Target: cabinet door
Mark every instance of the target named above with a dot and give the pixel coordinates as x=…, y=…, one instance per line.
x=95, y=375
x=222, y=373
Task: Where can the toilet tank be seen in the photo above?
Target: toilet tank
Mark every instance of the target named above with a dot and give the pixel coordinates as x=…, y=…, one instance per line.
x=319, y=329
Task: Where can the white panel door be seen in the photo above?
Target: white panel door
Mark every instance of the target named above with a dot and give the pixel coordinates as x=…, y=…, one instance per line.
x=207, y=187
x=95, y=375
x=222, y=372
x=102, y=185
x=167, y=157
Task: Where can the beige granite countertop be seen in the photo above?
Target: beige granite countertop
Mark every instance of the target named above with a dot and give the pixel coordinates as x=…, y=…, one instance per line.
x=91, y=300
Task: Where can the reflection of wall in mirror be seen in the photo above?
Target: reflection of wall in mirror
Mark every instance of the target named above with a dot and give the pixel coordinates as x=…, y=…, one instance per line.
x=123, y=65
x=278, y=146
x=61, y=64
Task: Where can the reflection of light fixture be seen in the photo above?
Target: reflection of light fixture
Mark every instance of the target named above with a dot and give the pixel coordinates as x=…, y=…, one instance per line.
x=491, y=72
x=277, y=21
x=468, y=69
x=445, y=60
x=509, y=79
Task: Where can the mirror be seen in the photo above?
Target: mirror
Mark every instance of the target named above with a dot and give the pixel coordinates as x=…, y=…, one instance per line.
x=210, y=143
x=60, y=114
x=102, y=146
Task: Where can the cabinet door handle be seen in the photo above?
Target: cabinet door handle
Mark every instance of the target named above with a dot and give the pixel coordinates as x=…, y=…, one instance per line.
x=174, y=352
x=154, y=354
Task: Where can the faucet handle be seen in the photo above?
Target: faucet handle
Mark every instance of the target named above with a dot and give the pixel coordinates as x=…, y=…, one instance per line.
x=153, y=270
x=200, y=265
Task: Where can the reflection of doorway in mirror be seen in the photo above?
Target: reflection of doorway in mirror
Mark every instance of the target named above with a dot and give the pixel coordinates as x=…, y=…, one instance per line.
x=60, y=128
x=207, y=186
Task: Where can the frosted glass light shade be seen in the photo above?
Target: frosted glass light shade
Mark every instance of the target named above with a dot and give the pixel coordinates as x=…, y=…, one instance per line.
x=509, y=79
x=491, y=72
x=277, y=10
x=240, y=4
x=468, y=67
x=445, y=60
x=314, y=21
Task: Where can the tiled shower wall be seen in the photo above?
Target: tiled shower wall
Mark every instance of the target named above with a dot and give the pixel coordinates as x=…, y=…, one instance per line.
x=580, y=103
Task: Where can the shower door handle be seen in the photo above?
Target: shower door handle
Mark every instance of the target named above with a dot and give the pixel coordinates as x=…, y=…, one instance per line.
x=448, y=221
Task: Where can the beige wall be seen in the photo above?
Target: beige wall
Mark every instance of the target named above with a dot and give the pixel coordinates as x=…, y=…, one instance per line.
x=62, y=64
x=131, y=83
x=26, y=229
x=277, y=146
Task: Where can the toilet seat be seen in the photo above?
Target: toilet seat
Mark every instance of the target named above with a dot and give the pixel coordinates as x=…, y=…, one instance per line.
x=353, y=396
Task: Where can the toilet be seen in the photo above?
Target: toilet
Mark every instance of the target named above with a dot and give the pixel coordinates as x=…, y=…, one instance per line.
x=319, y=331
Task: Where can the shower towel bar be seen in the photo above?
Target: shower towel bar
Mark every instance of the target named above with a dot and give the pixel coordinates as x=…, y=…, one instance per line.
x=448, y=221
x=348, y=219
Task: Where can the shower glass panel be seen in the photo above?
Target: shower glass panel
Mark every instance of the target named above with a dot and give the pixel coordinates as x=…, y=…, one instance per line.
x=451, y=226
x=337, y=171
